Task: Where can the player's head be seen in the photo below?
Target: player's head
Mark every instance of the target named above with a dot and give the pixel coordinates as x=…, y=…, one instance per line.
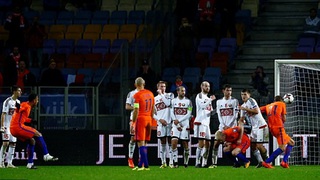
x=227, y=90
x=33, y=99
x=245, y=94
x=139, y=82
x=278, y=98
x=16, y=91
x=181, y=91
x=162, y=86
x=219, y=136
x=205, y=87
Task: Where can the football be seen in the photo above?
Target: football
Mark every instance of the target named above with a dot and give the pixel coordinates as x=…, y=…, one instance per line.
x=288, y=98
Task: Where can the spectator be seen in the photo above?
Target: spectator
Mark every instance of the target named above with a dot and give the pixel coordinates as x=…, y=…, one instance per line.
x=206, y=9
x=23, y=4
x=260, y=81
x=25, y=77
x=16, y=24
x=186, y=45
x=148, y=75
x=52, y=76
x=312, y=25
x=11, y=66
x=227, y=10
x=35, y=34
x=176, y=84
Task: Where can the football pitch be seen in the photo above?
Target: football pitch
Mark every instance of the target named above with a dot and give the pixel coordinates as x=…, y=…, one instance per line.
x=124, y=172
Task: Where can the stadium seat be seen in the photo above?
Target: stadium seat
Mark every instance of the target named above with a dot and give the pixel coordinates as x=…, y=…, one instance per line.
x=144, y=5
x=100, y=17
x=83, y=46
x=110, y=5
x=118, y=17
x=88, y=74
x=169, y=74
x=220, y=59
x=126, y=5
x=136, y=17
x=116, y=45
x=75, y=61
x=82, y=17
x=92, y=60
x=65, y=46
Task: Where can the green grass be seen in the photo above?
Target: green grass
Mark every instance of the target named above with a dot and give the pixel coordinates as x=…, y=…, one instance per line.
x=181, y=173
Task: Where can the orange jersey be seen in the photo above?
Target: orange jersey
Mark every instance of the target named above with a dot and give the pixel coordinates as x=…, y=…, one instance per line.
x=275, y=111
x=143, y=124
x=17, y=126
x=145, y=99
x=232, y=134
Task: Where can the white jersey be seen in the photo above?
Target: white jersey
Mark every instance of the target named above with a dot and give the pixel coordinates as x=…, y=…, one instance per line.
x=130, y=100
x=256, y=120
x=181, y=110
x=203, y=109
x=227, y=110
x=162, y=103
x=9, y=105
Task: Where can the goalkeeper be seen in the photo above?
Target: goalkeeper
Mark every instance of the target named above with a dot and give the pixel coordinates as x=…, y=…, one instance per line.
x=276, y=113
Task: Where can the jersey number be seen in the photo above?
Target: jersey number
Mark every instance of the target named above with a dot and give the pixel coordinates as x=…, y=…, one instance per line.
x=148, y=105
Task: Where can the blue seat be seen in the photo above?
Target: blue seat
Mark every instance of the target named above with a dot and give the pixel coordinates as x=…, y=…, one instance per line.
x=136, y=17
x=192, y=71
x=48, y=17
x=67, y=71
x=101, y=46
x=213, y=80
x=100, y=17
x=208, y=42
x=101, y=74
x=244, y=16
x=29, y=15
x=82, y=17
x=65, y=17
x=36, y=72
x=116, y=45
x=83, y=46
x=169, y=74
x=51, y=5
x=118, y=17
x=65, y=46
x=193, y=80
x=212, y=71
x=49, y=46
x=307, y=41
x=5, y=3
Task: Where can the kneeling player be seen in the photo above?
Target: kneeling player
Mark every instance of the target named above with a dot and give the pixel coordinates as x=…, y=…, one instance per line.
x=236, y=144
x=181, y=114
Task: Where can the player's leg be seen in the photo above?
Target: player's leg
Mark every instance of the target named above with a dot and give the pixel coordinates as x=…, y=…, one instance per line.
x=131, y=146
x=238, y=153
x=30, y=153
x=227, y=150
x=197, y=134
x=185, y=152
x=276, y=132
x=161, y=134
x=168, y=133
x=206, y=149
x=174, y=143
x=287, y=151
x=3, y=150
x=11, y=150
x=40, y=140
x=215, y=149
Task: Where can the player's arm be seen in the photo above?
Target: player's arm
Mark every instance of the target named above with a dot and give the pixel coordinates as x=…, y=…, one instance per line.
x=166, y=101
x=3, y=116
x=284, y=113
x=135, y=112
x=252, y=111
x=129, y=107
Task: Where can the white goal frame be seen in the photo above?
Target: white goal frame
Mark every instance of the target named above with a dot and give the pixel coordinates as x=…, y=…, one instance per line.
x=277, y=64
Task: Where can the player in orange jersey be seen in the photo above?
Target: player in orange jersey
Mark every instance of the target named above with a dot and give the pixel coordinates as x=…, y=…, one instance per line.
x=27, y=133
x=142, y=118
x=236, y=144
x=276, y=113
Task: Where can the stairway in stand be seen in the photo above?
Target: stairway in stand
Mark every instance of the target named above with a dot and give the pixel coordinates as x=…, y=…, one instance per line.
x=274, y=35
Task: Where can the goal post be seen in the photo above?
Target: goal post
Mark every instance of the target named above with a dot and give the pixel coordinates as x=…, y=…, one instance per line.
x=302, y=79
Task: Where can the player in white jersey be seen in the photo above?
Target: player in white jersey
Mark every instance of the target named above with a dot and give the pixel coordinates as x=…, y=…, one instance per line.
x=132, y=143
x=8, y=108
x=227, y=110
x=202, y=124
x=250, y=113
x=162, y=103
x=181, y=114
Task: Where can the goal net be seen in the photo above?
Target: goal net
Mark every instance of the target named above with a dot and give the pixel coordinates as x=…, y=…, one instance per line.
x=302, y=79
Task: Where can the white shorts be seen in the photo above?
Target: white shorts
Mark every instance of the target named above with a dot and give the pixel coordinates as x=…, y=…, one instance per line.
x=202, y=132
x=164, y=131
x=260, y=135
x=183, y=135
x=6, y=136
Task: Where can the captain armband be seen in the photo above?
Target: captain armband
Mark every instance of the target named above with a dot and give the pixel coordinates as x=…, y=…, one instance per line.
x=189, y=108
x=136, y=105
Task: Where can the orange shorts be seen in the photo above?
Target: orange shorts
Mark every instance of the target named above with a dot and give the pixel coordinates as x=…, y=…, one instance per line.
x=23, y=133
x=280, y=133
x=143, y=128
x=244, y=145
